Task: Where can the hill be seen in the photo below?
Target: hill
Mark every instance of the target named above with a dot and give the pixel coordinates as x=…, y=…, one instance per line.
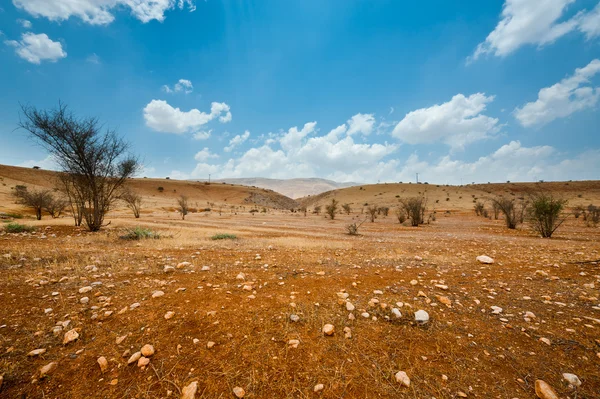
x=293, y=188
x=441, y=197
x=201, y=195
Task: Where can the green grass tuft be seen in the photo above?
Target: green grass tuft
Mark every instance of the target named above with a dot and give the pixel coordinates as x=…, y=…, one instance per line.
x=140, y=233
x=224, y=236
x=18, y=228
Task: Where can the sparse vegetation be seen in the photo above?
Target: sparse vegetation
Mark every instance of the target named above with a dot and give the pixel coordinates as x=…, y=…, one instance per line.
x=372, y=212
x=545, y=213
x=133, y=201
x=38, y=200
x=512, y=210
x=183, y=206
x=331, y=209
x=479, y=208
x=415, y=209
x=400, y=214
x=347, y=208
x=18, y=228
x=224, y=236
x=317, y=209
x=352, y=228
x=140, y=233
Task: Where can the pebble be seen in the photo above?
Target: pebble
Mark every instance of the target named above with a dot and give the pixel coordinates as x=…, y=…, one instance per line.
x=189, y=391
x=396, y=312
x=318, y=388
x=496, y=309
x=134, y=358
x=294, y=318
x=103, y=363
x=328, y=329
x=120, y=339
x=421, y=316
x=143, y=361
x=349, y=307
x=239, y=392
x=70, y=336
x=157, y=294
x=36, y=352
x=168, y=269
x=544, y=391
x=402, y=378
x=147, y=350
x=47, y=369
x=293, y=343
x=485, y=259
x=169, y=315
x=83, y=290
x=347, y=333
x=240, y=276
x=210, y=344
x=572, y=379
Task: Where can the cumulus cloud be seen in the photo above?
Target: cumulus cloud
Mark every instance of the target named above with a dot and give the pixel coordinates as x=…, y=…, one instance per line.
x=538, y=23
x=202, y=134
x=236, y=141
x=562, y=99
x=204, y=155
x=99, y=12
x=24, y=23
x=361, y=123
x=456, y=123
x=37, y=48
x=162, y=117
x=183, y=85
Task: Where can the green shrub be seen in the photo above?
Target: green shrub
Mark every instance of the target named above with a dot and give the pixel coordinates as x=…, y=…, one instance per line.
x=140, y=233
x=224, y=236
x=545, y=213
x=4, y=215
x=18, y=228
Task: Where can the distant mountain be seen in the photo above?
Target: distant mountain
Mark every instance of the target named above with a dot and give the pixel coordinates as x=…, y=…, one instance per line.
x=293, y=188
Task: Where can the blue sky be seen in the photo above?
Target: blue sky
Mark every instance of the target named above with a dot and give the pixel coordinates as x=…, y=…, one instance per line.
x=361, y=91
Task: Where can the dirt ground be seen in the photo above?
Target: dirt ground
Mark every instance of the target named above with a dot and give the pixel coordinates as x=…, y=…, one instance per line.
x=297, y=265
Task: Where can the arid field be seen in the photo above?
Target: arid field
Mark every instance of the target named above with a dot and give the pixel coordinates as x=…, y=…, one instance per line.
x=249, y=312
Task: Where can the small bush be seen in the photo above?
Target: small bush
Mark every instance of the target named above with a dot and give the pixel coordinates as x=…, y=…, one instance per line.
x=18, y=228
x=401, y=215
x=352, y=228
x=513, y=211
x=372, y=212
x=479, y=208
x=415, y=209
x=161, y=189
x=4, y=215
x=140, y=233
x=545, y=213
x=224, y=236
x=331, y=209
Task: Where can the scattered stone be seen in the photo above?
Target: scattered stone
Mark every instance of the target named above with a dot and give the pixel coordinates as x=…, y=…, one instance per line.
x=169, y=315
x=210, y=344
x=120, y=339
x=84, y=300
x=496, y=309
x=189, y=391
x=143, y=361
x=546, y=341
x=36, y=352
x=295, y=318
x=240, y=276
x=572, y=379
x=157, y=294
x=366, y=315
x=318, y=388
x=485, y=259
x=114, y=382
x=147, y=350
x=47, y=369
x=544, y=391
x=134, y=358
x=402, y=378
x=70, y=336
x=103, y=363
x=168, y=269
x=396, y=313
x=328, y=329
x=349, y=307
x=239, y=392
x=421, y=316
x=347, y=333
x=205, y=268
x=293, y=343
x=444, y=300
x=181, y=265
x=83, y=290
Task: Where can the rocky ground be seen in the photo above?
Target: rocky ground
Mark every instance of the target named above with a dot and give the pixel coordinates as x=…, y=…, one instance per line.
x=295, y=308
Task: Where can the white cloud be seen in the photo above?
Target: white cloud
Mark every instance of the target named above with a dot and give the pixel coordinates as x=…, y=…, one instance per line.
x=456, y=123
x=204, y=155
x=162, y=117
x=37, y=48
x=538, y=23
x=291, y=140
x=570, y=95
x=236, y=141
x=202, y=134
x=183, y=85
x=361, y=123
x=98, y=12
x=24, y=23
x=93, y=59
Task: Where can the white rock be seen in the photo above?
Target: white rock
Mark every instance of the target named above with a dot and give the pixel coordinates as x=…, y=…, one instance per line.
x=84, y=300
x=396, y=313
x=143, y=361
x=402, y=378
x=294, y=318
x=189, y=391
x=239, y=392
x=70, y=336
x=168, y=269
x=205, y=268
x=349, y=307
x=496, y=309
x=83, y=290
x=421, y=316
x=169, y=315
x=544, y=391
x=293, y=343
x=572, y=379
x=485, y=259
x=36, y=352
x=240, y=276
x=157, y=294
x=328, y=329
x=318, y=388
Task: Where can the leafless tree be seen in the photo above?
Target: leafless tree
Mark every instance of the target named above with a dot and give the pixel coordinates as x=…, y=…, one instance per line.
x=372, y=212
x=401, y=214
x=38, y=200
x=347, y=209
x=133, y=201
x=513, y=212
x=182, y=206
x=317, y=209
x=56, y=206
x=95, y=164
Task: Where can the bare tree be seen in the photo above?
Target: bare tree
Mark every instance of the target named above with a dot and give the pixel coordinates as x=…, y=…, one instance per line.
x=401, y=214
x=513, y=212
x=415, y=209
x=94, y=163
x=347, y=209
x=372, y=212
x=479, y=208
x=496, y=210
x=56, y=207
x=66, y=184
x=331, y=209
x=303, y=209
x=38, y=200
x=133, y=201
x=182, y=206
